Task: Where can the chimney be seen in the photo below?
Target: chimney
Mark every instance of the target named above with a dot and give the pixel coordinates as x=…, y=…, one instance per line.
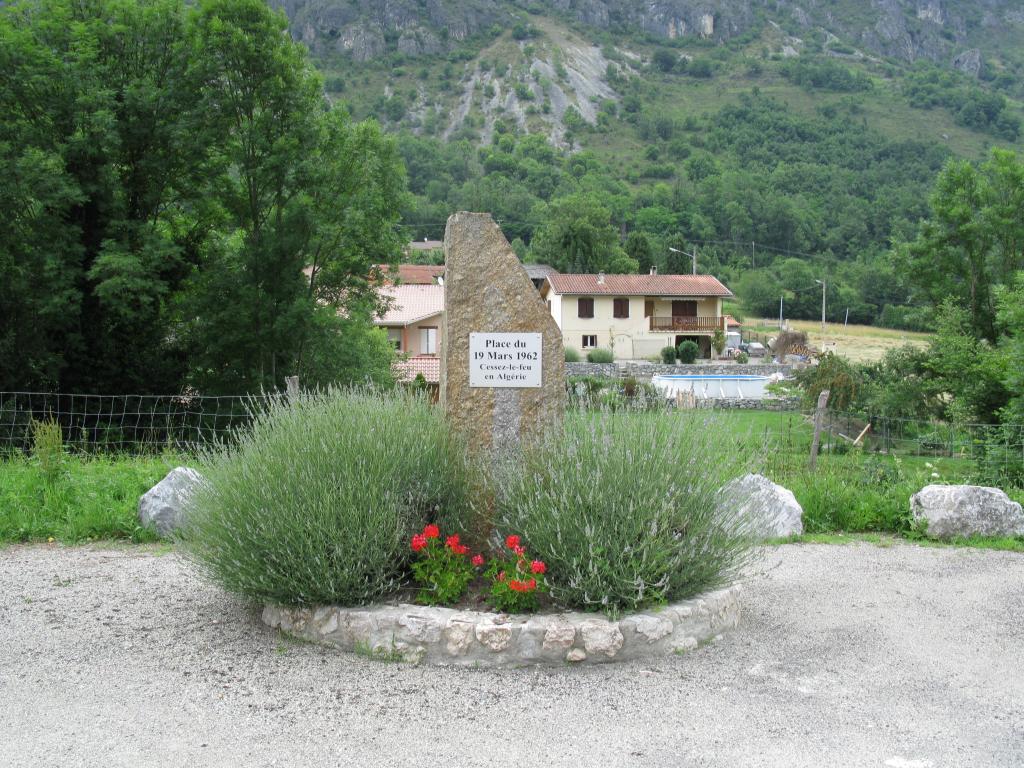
x=600, y=278
x=654, y=270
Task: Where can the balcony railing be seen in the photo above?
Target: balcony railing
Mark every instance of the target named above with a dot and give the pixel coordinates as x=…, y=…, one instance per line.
x=687, y=323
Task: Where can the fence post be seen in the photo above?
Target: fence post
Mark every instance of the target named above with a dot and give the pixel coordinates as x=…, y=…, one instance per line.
x=819, y=418
x=291, y=384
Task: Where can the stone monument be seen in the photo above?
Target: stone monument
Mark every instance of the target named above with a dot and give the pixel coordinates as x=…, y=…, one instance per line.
x=502, y=363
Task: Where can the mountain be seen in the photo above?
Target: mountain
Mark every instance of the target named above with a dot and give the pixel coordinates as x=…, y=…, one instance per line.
x=941, y=31
x=787, y=140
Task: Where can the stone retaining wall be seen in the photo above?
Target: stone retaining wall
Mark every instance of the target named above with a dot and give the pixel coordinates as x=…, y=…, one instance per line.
x=751, y=403
x=471, y=638
x=647, y=370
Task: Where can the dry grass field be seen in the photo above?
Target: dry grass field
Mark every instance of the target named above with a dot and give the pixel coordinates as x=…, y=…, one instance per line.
x=859, y=343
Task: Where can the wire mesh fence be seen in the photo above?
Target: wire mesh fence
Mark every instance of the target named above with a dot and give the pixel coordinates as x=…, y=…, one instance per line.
x=126, y=423
x=152, y=423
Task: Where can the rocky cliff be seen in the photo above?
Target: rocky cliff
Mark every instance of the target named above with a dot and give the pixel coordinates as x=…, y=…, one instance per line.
x=943, y=31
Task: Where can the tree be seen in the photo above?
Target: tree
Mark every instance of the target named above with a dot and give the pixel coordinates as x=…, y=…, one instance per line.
x=577, y=236
x=100, y=100
x=974, y=238
x=308, y=190
x=664, y=59
x=172, y=168
x=969, y=372
x=1010, y=315
x=638, y=248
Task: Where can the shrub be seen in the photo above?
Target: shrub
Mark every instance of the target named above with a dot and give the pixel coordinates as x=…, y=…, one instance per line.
x=317, y=498
x=668, y=355
x=688, y=351
x=742, y=358
x=600, y=356
x=623, y=508
x=571, y=355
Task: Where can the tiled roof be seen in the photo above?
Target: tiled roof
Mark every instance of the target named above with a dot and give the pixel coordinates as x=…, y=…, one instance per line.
x=414, y=274
x=732, y=322
x=430, y=367
x=411, y=303
x=639, y=285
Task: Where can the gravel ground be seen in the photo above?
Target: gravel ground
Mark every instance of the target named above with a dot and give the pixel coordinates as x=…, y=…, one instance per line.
x=847, y=656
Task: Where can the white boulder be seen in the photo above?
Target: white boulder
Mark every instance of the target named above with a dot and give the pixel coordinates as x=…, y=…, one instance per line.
x=773, y=510
x=966, y=510
x=164, y=506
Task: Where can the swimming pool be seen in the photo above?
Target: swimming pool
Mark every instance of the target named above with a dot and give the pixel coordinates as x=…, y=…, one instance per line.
x=714, y=387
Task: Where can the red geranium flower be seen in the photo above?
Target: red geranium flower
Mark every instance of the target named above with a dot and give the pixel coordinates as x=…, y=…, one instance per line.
x=478, y=560
x=531, y=585
x=538, y=567
x=519, y=550
x=512, y=541
x=460, y=549
x=452, y=541
x=419, y=541
x=431, y=531
x=516, y=586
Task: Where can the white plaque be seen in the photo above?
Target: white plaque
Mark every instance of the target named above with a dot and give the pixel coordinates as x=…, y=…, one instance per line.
x=504, y=359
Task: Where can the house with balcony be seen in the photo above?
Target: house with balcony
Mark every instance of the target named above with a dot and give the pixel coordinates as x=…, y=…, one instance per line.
x=636, y=316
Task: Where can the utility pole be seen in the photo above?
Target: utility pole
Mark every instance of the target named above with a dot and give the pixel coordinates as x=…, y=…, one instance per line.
x=780, y=313
x=822, y=284
x=753, y=263
x=846, y=322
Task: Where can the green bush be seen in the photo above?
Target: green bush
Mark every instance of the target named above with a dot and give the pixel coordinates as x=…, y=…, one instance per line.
x=623, y=508
x=688, y=351
x=600, y=356
x=317, y=499
x=742, y=358
x=668, y=355
x=571, y=355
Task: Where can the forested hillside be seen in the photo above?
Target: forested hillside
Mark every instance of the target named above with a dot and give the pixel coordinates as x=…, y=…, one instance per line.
x=785, y=143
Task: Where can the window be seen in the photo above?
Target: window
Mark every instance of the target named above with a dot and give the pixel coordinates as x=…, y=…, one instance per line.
x=428, y=341
x=620, y=308
x=590, y=342
x=681, y=308
x=395, y=337
x=585, y=308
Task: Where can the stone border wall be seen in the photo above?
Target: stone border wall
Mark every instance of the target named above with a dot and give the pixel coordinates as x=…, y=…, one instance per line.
x=751, y=403
x=647, y=370
x=471, y=638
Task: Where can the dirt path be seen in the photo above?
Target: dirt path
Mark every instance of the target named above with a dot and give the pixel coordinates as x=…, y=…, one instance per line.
x=848, y=655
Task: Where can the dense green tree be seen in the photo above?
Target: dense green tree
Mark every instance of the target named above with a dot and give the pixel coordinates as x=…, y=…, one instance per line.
x=102, y=96
x=577, y=236
x=1010, y=316
x=973, y=240
x=173, y=169
x=638, y=248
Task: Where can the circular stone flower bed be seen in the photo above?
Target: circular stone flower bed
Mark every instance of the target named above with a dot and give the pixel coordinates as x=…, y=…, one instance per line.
x=474, y=638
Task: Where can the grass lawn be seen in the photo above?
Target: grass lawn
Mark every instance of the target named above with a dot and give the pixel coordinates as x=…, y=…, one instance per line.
x=858, y=343
x=89, y=498
x=855, y=492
